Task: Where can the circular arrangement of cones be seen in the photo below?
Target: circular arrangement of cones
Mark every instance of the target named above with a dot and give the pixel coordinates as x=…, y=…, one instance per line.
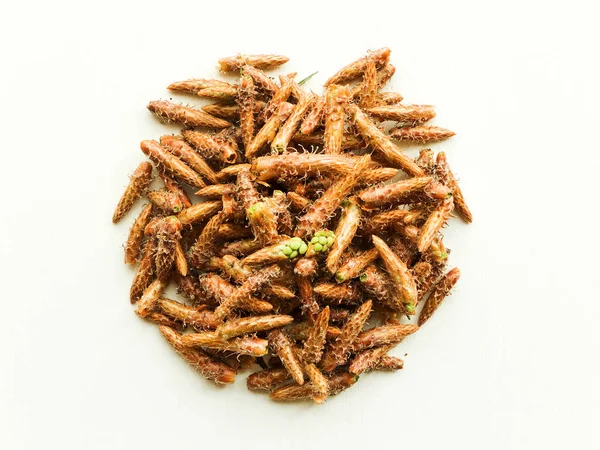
x=313, y=246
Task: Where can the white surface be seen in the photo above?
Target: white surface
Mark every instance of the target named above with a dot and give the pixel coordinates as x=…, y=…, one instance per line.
x=509, y=362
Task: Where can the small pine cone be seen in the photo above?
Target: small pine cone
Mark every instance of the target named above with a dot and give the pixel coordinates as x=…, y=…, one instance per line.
x=403, y=113
x=233, y=63
x=319, y=382
x=358, y=67
x=368, y=359
x=166, y=201
x=189, y=287
x=281, y=96
x=216, y=191
x=263, y=222
x=337, y=353
x=382, y=143
x=344, y=234
x=337, y=383
x=339, y=315
x=160, y=156
x=138, y=183
x=269, y=130
x=199, y=212
x=222, y=91
x=306, y=267
x=376, y=176
x=194, y=85
x=230, y=111
x=167, y=232
x=218, y=290
x=425, y=161
x=136, y=235
x=246, y=191
x=161, y=319
x=205, y=245
x=421, y=134
x=355, y=265
x=389, y=363
x=369, y=85
x=211, y=146
x=246, y=105
x=267, y=380
x=385, y=220
x=383, y=335
x=321, y=211
x=379, y=286
x=389, y=98
x=381, y=196
x=446, y=177
x=434, y=223
x=242, y=248
x=177, y=146
x=315, y=338
x=145, y=271
x=255, y=282
x=287, y=130
x=174, y=187
x=149, y=298
x=246, y=325
x=172, y=112
x=421, y=271
x=261, y=80
x=439, y=293
x=404, y=283
x=298, y=165
x=338, y=294
x=314, y=117
x=317, y=139
x=424, y=285
x=208, y=367
x=282, y=346
x=310, y=307
x=246, y=345
x=335, y=98
x=196, y=317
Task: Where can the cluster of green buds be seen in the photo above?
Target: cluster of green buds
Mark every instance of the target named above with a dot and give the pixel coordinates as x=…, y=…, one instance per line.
x=321, y=242
x=294, y=247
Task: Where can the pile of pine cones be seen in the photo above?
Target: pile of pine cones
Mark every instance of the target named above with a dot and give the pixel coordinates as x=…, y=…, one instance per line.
x=299, y=235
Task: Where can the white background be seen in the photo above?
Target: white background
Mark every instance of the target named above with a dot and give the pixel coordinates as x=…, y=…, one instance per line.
x=510, y=361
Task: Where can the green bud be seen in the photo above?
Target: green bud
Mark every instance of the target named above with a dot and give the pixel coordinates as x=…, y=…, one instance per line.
x=318, y=247
x=287, y=250
x=329, y=241
x=295, y=243
x=303, y=248
x=323, y=240
x=410, y=308
x=294, y=254
x=314, y=240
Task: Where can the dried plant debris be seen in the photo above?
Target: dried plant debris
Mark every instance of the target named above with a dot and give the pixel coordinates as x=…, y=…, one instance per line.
x=313, y=238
